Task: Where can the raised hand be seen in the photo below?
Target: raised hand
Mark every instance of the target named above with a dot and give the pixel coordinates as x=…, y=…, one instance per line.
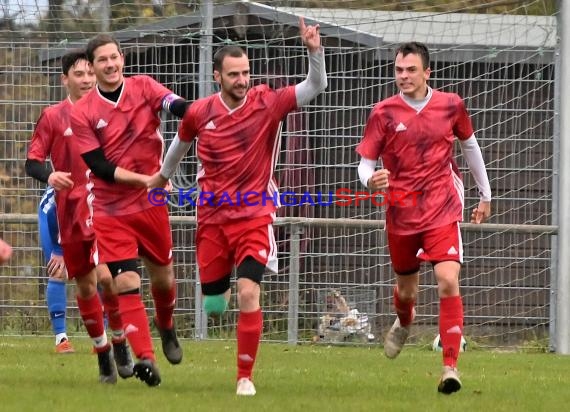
x=310, y=35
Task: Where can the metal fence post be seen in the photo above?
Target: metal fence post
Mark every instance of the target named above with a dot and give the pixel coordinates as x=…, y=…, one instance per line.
x=562, y=331
x=295, y=231
x=200, y=318
x=204, y=89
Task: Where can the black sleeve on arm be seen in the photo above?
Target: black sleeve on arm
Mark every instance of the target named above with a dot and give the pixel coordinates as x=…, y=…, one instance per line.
x=178, y=107
x=38, y=170
x=100, y=165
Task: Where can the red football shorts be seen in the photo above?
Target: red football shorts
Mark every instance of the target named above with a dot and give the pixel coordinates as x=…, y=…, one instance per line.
x=221, y=246
x=435, y=245
x=145, y=233
x=78, y=258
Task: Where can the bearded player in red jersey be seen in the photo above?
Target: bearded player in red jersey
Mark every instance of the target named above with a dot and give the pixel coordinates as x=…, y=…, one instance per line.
x=413, y=134
x=116, y=126
x=238, y=134
x=52, y=138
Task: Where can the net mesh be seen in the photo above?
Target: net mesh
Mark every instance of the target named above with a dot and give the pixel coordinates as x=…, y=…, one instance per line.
x=498, y=55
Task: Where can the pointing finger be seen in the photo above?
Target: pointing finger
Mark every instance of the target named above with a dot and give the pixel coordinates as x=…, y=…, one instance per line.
x=302, y=26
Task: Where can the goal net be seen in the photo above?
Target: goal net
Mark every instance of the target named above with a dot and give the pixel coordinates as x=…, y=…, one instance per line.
x=500, y=56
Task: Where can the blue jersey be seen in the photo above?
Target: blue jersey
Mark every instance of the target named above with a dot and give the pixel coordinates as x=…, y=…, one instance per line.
x=48, y=227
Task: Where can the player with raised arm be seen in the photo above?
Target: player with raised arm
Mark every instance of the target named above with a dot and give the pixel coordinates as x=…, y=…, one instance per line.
x=413, y=134
x=238, y=132
x=116, y=126
x=52, y=138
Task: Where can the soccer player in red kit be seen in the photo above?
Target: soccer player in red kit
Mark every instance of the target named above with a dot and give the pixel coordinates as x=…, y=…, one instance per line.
x=237, y=133
x=52, y=138
x=413, y=134
x=116, y=128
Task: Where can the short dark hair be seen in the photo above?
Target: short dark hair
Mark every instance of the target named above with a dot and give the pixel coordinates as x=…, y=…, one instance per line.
x=232, y=51
x=414, y=47
x=98, y=41
x=71, y=58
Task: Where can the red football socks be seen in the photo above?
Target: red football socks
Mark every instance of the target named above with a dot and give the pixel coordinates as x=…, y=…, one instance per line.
x=136, y=326
x=249, y=327
x=404, y=310
x=450, y=328
x=91, y=312
x=111, y=306
x=164, y=302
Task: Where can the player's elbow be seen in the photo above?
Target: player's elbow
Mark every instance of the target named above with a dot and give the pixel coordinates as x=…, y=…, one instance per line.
x=323, y=84
x=29, y=166
x=100, y=166
x=37, y=170
x=319, y=84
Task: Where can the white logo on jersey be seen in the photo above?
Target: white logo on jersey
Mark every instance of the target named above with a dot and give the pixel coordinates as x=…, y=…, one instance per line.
x=68, y=132
x=263, y=253
x=102, y=123
x=452, y=251
x=210, y=126
x=401, y=127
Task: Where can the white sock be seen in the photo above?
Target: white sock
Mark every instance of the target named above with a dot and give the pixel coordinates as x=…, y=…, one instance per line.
x=101, y=341
x=59, y=337
x=118, y=334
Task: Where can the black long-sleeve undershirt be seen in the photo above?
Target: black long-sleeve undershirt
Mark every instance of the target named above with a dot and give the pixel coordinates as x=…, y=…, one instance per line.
x=38, y=170
x=100, y=165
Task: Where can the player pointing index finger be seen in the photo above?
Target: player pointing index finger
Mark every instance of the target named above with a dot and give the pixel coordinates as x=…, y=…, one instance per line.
x=310, y=35
x=237, y=132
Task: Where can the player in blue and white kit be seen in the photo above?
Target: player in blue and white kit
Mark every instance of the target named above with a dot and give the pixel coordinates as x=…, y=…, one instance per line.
x=56, y=295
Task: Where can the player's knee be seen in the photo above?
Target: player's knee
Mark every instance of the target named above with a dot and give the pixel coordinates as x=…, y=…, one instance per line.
x=248, y=295
x=122, y=266
x=106, y=282
x=251, y=269
x=407, y=294
x=215, y=302
x=85, y=289
x=248, y=292
x=447, y=276
x=447, y=287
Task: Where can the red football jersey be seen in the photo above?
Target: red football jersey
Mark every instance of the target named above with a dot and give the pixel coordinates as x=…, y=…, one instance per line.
x=128, y=132
x=52, y=138
x=417, y=149
x=237, y=150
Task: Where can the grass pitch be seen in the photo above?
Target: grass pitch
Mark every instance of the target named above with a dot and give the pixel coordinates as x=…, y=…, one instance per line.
x=288, y=378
